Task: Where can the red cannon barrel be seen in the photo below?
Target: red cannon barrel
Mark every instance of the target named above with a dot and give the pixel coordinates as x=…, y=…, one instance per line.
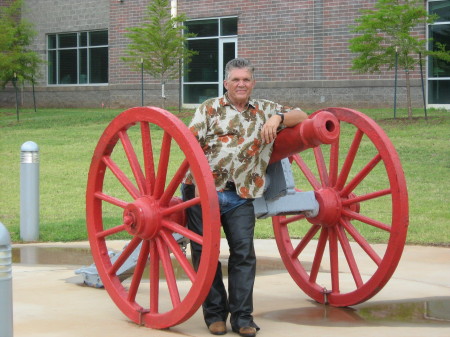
x=322, y=128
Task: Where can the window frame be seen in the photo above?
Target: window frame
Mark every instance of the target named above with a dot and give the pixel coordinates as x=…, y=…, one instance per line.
x=79, y=48
x=220, y=38
x=428, y=77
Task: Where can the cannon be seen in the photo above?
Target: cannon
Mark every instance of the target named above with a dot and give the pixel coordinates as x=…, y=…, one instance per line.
x=339, y=156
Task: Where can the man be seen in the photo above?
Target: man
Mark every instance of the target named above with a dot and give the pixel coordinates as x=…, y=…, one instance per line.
x=236, y=133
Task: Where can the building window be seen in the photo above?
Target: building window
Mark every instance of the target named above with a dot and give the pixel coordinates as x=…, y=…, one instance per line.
x=216, y=44
x=78, y=58
x=438, y=70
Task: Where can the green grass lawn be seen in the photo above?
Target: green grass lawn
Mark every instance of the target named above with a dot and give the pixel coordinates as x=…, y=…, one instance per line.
x=67, y=138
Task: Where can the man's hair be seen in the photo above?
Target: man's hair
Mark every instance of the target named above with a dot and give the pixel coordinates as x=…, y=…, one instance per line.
x=238, y=63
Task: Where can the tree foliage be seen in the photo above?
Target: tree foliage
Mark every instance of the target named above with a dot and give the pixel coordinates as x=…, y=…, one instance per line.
x=17, y=60
x=159, y=43
x=387, y=29
x=385, y=35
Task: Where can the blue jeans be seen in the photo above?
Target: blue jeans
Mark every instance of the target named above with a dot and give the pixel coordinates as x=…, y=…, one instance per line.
x=238, y=222
x=229, y=200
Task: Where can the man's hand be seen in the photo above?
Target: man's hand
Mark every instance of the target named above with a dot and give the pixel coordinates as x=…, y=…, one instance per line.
x=291, y=118
x=269, y=129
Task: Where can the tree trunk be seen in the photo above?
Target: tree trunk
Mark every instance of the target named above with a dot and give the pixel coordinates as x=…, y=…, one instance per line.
x=408, y=94
x=163, y=94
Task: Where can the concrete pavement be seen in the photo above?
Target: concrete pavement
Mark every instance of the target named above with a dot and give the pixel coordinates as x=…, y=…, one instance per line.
x=415, y=302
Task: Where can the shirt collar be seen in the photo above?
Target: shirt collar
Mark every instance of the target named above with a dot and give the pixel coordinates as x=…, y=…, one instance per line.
x=226, y=102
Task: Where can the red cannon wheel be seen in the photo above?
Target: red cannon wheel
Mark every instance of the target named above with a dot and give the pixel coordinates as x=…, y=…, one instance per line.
x=360, y=187
x=132, y=195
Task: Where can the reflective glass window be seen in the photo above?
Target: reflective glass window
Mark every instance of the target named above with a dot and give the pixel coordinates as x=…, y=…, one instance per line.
x=203, y=67
x=67, y=40
x=78, y=58
x=98, y=38
x=83, y=39
x=98, y=62
x=83, y=67
x=51, y=61
x=203, y=28
x=439, y=92
x=51, y=41
x=198, y=93
x=440, y=34
x=67, y=66
x=441, y=9
x=228, y=26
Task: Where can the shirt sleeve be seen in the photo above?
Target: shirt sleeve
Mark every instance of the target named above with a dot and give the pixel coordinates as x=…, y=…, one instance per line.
x=279, y=108
x=285, y=109
x=198, y=125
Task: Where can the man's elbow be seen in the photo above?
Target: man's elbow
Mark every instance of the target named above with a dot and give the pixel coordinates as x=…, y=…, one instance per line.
x=295, y=117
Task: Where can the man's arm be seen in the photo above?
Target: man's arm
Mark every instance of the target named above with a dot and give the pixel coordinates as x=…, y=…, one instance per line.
x=291, y=118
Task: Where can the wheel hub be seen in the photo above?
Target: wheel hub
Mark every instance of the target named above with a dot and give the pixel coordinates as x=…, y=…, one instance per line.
x=330, y=207
x=142, y=217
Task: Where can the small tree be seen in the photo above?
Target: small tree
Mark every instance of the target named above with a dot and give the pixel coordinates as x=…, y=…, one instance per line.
x=17, y=61
x=386, y=31
x=159, y=44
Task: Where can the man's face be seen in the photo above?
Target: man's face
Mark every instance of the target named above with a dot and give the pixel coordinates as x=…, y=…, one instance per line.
x=239, y=85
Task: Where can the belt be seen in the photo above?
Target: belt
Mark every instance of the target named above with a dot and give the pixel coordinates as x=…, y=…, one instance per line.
x=230, y=186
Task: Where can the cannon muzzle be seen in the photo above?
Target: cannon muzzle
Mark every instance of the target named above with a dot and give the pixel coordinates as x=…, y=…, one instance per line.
x=321, y=128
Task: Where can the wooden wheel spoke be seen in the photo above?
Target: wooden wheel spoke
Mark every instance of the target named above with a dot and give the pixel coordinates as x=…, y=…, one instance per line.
x=174, y=183
x=348, y=163
x=154, y=278
x=174, y=227
x=305, y=240
x=322, y=168
x=349, y=256
x=334, y=162
x=120, y=175
x=334, y=259
x=307, y=172
x=139, y=270
x=181, y=206
x=168, y=271
x=181, y=258
x=365, y=197
x=133, y=160
x=129, y=249
x=288, y=220
x=149, y=163
x=110, y=231
x=361, y=241
x=361, y=175
x=163, y=164
x=110, y=199
x=365, y=219
x=318, y=255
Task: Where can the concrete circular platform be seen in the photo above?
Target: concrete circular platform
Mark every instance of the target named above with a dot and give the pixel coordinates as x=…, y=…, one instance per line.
x=47, y=301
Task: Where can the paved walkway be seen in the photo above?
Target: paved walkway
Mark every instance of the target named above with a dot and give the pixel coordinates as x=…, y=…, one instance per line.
x=48, y=303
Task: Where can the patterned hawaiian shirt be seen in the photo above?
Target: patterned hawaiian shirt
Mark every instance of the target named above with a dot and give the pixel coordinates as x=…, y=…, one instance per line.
x=232, y=142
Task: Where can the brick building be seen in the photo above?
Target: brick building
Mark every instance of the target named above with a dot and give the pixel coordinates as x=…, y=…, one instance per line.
x=299, y=48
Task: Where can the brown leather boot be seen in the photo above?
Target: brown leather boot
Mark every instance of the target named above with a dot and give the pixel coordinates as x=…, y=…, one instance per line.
x=218, y=328
x=247, y=331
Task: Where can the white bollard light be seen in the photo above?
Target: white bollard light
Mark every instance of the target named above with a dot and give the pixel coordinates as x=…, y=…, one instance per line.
x=6, y=311
x=29, y=191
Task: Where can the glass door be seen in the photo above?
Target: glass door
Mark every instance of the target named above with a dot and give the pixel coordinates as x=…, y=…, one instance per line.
x=439, y=70
x=216, y=43
x=227, y=52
